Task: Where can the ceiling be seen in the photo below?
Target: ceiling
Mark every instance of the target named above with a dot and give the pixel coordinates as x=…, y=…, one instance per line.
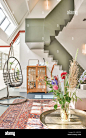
x=31, y=4
x=77, y=21
x=18, y=8
x=40, y=9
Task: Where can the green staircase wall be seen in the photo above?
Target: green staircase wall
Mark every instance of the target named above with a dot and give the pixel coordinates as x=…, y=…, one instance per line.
x=45, y=30
x=34, y=30
x=41, y=30
x=62, y=55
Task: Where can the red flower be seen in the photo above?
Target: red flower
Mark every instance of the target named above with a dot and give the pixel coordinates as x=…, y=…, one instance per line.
x=56, y=77
x=63, y=75
x=45, y=76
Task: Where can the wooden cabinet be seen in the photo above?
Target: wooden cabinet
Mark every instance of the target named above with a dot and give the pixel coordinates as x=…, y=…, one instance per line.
x=35, y=82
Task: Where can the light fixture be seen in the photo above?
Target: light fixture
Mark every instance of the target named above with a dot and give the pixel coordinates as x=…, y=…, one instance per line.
x=47, y=4
x=84, y=49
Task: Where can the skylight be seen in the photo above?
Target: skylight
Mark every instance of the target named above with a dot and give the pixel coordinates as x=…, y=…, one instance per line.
x=5, y=22
x=2, y=16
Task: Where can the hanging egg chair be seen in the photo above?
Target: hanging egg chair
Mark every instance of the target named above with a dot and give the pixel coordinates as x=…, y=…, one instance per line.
x=12, y=74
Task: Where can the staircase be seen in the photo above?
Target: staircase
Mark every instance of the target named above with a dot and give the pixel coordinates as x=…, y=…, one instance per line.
x=44, y=31
x=37, y=54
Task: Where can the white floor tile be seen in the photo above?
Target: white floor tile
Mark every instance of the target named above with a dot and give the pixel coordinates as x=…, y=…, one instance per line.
x=37, y=96
x=47, y=96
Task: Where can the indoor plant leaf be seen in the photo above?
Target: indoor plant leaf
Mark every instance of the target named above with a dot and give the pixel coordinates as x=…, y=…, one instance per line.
x=61, y=95
x=55, y=106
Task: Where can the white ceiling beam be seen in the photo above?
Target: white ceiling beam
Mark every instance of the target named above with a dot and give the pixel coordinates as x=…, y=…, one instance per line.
x=7, y=8
x=27, y=3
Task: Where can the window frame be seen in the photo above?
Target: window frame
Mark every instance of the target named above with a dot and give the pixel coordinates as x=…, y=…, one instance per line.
x=4, y=20
x=4, y=17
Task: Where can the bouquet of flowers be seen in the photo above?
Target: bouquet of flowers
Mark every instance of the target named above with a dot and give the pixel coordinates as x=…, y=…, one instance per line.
x=70, y=82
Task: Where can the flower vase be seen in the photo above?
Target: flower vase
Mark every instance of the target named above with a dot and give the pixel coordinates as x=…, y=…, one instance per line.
x=65, y=113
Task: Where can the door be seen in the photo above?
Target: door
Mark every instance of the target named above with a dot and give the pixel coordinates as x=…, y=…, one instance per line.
x=31, y=78
x=41, y=71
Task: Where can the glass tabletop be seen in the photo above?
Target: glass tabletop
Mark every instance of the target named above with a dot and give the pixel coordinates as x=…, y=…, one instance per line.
x=52, y=119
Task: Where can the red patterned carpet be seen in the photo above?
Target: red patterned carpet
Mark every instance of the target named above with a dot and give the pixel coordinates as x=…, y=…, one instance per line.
x=25, y=115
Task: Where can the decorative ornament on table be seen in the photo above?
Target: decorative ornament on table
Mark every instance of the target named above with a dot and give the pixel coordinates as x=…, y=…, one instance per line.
x=70, y=82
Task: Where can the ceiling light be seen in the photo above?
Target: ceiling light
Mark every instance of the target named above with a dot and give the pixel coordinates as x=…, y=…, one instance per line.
x=47, y=4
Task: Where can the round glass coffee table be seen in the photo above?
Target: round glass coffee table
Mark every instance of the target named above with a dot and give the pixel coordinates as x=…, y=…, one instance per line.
x=52, y=119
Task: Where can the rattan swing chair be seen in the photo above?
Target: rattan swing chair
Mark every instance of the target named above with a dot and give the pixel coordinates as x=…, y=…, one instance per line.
x=12, y=77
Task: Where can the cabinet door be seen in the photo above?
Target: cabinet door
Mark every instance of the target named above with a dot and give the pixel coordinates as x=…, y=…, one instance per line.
x=41, y=71
x=31, y=78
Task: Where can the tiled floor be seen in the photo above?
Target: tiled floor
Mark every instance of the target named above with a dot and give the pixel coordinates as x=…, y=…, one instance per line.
x=17, y=92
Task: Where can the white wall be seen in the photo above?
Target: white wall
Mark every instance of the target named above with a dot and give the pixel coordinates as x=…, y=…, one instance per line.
x=3, y=36
x=4, y=50
x=2, y=43
x=26, y=54
x=2, y=85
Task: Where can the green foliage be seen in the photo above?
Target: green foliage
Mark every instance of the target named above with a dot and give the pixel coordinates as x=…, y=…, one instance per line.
x=68, y=99
x=11, y=63
x=50, y=91
x=55, y=106
x=61, y=95
x=63, y=98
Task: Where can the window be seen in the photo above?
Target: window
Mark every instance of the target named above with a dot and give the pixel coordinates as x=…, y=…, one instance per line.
x=2, y=16
x=3, y=59
x=5, y=22
x=10, y=29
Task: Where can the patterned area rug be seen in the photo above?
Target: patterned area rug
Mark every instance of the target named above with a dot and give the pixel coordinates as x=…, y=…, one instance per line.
x=25, y=115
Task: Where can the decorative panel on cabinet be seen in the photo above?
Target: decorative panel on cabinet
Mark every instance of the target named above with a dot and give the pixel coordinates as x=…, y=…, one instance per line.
x=35, y=82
